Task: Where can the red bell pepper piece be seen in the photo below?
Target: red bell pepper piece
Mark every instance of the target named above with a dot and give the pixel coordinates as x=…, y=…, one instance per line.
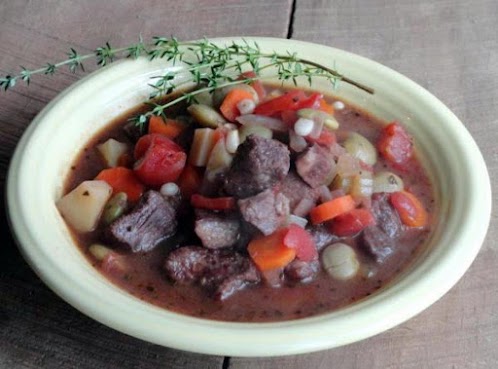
x=301, y=241
x=352, y=222
x=288, y=101
x=217, y=203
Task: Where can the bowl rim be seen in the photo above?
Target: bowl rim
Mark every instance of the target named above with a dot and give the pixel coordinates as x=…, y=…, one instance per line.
x=265, y=339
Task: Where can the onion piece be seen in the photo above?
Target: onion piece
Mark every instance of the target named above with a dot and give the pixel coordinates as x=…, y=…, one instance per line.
x=348, y=165
x=324, y=193
x=246, y=106
x=303, y=207
x=300, y=221
x=261, y=120
x=296, y=142
x=317, y=130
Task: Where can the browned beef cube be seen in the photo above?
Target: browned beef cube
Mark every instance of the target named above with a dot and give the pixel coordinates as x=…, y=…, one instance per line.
x=377, y=243
x=220, y=272
x=217, y=230
x=151, y=220
x=322, y=236
x=386, y=216
x=302, y=271
x=295, y=189
x=316, y=166
x=258, y=164
x=267, y=211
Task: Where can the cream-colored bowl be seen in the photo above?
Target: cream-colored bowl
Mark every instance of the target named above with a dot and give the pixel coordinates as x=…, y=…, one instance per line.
x=45, y=152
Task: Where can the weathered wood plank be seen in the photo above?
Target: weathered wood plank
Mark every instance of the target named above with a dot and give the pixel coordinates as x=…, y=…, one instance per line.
x=37, y=329
x=451, y=48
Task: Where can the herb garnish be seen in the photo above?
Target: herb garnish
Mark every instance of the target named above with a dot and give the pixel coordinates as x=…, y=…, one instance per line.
x=211, y=66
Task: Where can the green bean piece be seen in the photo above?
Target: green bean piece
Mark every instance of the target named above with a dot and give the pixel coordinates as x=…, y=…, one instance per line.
x=115, y=207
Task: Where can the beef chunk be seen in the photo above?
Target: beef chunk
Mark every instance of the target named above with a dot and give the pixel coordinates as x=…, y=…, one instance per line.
x=295, y=189
x=386, y=216
x=302, y=271
x=267, y=211
x=377, y=243
x=258, y=164
x=322, y=236
x=151, y=220
x=217, y=230
x=316, y=166
x=220, y=272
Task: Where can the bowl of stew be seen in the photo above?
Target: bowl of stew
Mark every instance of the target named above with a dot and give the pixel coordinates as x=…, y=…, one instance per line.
x=265, y=220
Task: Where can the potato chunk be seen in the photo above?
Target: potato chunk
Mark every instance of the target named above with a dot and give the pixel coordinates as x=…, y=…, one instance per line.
x=111, y=151
x=82, y=207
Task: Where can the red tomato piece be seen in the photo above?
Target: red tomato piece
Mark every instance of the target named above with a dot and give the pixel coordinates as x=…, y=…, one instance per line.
x=153, y=139
x=326, y=138
x=395, y=145
x=352, y=222
x=301, y=241
x=160, y=164
x=288, y=101
x=216, y=203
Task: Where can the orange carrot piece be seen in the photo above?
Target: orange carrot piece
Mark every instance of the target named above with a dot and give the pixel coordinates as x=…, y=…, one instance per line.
x=270, y=252
x=122, y=179
x=326, y=107
x=330, y=209
x=229, y=106
x=411, y=211
x=169, y=128
x=190, y=181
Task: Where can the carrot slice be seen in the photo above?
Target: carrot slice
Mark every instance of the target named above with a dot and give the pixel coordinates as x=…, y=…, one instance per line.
x=169, y=128
x=270, y=252
x=410, y=209
x=122, y=179
x=330, y=209
x=326, y=107
x=229, y=106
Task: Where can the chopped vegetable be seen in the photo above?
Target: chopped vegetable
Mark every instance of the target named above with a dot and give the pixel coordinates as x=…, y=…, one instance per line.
x=229, y=107
x=300, y=221
x=303, y=126
x=169, y=127
x=340, y=261
x=300, y=240
x=257, y=85
x=122, y=179
x=270, y=252
x=206, y=115
x=260, y=120
x=98, y=251
x=341, y=182
x=395, y=145
x=330, y=209
x=338, y=105
x=162, y=162
x=261, y=131
x=112, y=151
x=145, y=142
x=216, y=203
x=296, y=142
x=362, y=149
x=219, y=160
x=169, y=189
x=203, y=143
x=220, y=94
x=326, y=107
x=326, y=138
x=352, y=222
x=348, y=165
x=319, y=116
x=361, y=185
x=115, y=207
x=387, y=182
x=410, y=209
x=82, y=207
x=246, y=106
x=232, y=141
x=292, y=100
x=190, y=181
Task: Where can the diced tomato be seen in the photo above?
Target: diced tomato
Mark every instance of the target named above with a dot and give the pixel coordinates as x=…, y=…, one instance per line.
x=216, y=203
x=153, y=139
x=162, y=162
x=395, y=145
x=288, y=101
x=326, y=138
x=352, y=222
x=411, y=211
x=257, y=85
x=300, y=240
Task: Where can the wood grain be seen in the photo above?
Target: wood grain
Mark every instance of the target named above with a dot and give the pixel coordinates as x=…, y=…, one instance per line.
x=38, y=329
x=450, y=48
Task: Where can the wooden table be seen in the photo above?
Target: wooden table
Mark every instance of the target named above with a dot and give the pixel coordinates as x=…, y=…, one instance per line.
x=448, y=46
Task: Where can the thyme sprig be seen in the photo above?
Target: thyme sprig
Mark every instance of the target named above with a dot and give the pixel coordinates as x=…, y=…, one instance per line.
x=210, y=66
